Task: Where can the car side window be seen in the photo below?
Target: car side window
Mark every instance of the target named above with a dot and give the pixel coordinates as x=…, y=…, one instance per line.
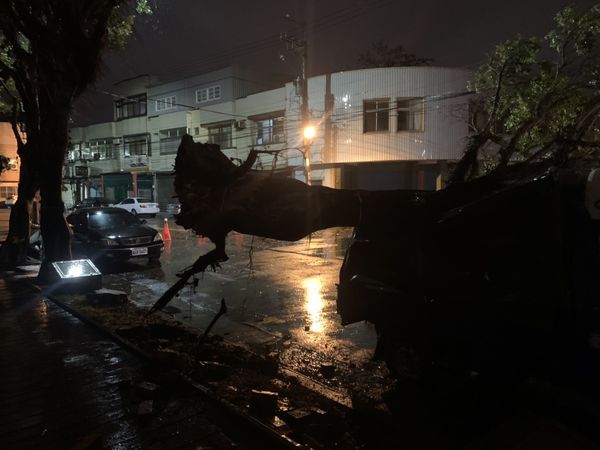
x=77, y=220
x=127, y=201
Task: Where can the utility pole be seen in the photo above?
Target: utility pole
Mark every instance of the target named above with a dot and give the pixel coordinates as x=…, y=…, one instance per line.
x=300, y=46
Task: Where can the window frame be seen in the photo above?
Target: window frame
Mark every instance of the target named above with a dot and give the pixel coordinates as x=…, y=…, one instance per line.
x=166, y=103
x=208, y=94
x=211, y=138
x=132, y=106
x=103, y=147
x=383, y=109
x=136, y=140
x=271, y=133
x=169, y=140
x=414, y=111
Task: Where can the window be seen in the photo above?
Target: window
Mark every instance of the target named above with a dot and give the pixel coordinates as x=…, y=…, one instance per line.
x=8, y=191
x=269, y=131
x=135, y=146
x=208, y=94
x=376, y=115
x=220, y=135
x=410, y=114
x=77, y=220
x=166, y=103
x=170, y=139
x=74, y=152
x=130, y=107
x=102, y=149
x=86, y=152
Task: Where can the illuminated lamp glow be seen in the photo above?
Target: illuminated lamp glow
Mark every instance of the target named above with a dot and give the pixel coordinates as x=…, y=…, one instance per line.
x=309, y=132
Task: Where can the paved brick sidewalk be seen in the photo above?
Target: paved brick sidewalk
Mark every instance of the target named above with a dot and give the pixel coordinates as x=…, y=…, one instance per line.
x=62, y=386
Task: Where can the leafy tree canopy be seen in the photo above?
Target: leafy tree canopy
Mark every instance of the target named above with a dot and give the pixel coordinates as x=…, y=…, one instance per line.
x=538, y=98
x=382, y=55
x=18, y=36
x=50, y=52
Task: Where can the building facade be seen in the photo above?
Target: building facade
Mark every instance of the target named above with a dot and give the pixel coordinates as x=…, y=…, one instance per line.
x=9, y=179
x=383, y=128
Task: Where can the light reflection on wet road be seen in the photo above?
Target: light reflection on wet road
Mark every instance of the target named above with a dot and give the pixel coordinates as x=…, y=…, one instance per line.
x=314, y=303
x=281, y=297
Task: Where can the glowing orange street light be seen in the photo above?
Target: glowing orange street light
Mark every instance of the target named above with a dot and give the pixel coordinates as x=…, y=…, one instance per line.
x=309, y=132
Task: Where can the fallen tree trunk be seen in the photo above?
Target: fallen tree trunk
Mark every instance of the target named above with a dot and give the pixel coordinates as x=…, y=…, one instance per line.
x=484, y=276
x=217, y=197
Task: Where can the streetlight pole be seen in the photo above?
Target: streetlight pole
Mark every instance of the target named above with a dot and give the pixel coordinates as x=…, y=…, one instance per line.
x=306, y=127
x=301, y=46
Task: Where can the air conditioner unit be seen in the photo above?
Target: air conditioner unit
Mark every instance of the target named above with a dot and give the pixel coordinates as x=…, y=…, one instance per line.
x=116, y=141
x=240, y=124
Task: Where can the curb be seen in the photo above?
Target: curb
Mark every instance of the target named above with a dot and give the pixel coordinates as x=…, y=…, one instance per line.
x=277, y=439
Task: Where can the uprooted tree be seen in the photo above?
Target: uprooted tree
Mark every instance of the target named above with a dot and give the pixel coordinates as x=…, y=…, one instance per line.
x=496, y=274
x=49, y=53
x=536, y=109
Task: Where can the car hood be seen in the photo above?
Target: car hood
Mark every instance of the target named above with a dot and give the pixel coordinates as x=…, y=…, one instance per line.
x=124, y=232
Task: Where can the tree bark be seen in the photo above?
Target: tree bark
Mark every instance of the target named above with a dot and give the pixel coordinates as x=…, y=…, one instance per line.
x=55, y=231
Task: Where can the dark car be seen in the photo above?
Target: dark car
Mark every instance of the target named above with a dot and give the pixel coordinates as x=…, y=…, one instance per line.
x=112, y=233
x=502, y=284
x=92, y=202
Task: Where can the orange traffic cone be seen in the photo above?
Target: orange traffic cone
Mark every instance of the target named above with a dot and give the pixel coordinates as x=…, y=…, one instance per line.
x=166, y=233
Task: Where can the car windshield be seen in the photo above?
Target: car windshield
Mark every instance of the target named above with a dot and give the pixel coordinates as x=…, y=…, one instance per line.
x=111, y=219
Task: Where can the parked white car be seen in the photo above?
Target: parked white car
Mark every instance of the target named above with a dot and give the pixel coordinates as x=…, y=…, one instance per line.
x=139, y=206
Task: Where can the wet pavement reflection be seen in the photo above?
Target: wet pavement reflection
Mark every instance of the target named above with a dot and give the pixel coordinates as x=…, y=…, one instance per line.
x=314, y=304
x=281, y=298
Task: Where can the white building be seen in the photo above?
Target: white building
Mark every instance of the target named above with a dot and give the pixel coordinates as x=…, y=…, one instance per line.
x=380, y=128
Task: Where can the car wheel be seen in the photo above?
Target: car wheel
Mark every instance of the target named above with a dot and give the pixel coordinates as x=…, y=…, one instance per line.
x=134, y=212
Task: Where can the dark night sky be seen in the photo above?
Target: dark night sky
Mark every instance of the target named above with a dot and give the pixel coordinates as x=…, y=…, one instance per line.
x=185, y=37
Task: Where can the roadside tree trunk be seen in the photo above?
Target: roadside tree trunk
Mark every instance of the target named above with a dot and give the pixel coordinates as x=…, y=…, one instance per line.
x=54, y=228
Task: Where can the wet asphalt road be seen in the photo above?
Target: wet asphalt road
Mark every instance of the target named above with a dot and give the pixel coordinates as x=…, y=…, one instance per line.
x=280, y=296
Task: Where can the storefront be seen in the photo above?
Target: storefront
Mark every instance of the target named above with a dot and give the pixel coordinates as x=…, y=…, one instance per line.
x=118, y=186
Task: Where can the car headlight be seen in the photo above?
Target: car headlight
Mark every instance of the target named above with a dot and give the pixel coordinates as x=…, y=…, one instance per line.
x=108, y=242
x=157, y=237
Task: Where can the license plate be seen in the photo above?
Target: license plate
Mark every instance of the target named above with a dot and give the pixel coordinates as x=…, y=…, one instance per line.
x=139, y=251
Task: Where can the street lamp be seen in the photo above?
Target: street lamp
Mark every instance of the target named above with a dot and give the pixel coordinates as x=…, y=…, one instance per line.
x=309, y=134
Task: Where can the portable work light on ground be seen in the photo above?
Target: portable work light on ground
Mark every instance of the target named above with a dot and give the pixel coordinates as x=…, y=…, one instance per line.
x=79, y=275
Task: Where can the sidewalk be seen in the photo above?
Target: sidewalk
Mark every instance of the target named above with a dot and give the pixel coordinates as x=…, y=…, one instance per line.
x=62, y=385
